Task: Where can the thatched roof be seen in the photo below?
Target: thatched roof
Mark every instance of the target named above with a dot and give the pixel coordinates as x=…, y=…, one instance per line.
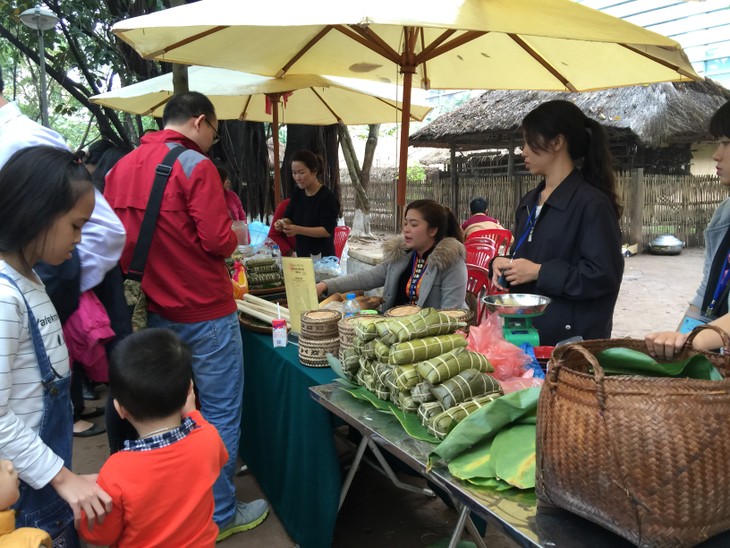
x=656, y=114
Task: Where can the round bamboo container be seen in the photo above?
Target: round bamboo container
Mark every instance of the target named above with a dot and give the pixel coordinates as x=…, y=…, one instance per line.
x=403, y=310
x=313, y=352
x=320, y=324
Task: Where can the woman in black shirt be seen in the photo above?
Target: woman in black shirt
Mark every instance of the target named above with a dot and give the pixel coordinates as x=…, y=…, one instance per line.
x=312, y=212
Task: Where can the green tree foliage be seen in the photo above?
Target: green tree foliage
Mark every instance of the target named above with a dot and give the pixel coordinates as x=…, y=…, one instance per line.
x=83, y=58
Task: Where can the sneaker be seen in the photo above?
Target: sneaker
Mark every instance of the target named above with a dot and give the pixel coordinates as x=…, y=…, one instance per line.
x=248, y=515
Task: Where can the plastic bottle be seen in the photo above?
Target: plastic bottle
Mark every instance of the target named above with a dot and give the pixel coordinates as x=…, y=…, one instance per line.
x=351, y=307
x=276, y=253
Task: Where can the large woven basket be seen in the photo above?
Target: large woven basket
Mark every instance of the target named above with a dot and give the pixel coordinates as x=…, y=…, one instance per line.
x=646, y=457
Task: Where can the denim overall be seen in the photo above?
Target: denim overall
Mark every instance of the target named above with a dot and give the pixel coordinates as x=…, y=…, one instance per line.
x=43, y=508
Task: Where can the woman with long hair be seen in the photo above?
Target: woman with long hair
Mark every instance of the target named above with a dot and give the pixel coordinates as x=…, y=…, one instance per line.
x=424, y=266
x=567, y=238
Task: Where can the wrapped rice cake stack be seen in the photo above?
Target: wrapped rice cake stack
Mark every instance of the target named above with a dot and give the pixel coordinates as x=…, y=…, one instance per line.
x=263, y=273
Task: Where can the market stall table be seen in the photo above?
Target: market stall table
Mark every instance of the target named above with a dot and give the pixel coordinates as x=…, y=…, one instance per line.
x=516, y=511
x=287, y=440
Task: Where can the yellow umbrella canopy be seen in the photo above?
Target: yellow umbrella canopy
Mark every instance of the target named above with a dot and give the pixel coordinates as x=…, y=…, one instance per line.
x=295, y=99
x=310, y=99
x=443, y=44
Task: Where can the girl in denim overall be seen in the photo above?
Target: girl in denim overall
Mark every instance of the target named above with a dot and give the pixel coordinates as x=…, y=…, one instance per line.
x=45, y=198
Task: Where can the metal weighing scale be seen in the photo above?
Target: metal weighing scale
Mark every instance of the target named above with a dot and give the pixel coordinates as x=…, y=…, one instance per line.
x=517, y=311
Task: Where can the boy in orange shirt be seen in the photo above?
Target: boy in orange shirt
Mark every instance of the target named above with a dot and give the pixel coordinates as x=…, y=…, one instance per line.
x=161, y=484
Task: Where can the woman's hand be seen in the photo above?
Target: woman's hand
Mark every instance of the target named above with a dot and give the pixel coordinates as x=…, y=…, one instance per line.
x=521, y=271
x=281, y=223
x=290, y=229
x=321, y=288
x=498, y=266
x=665, y=344
x=82, y=493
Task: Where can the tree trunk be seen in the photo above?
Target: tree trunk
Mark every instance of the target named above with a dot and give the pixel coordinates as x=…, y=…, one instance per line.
x=360, y=177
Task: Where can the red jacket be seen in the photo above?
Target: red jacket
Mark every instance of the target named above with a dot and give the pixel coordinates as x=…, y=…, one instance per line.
x=185, y=278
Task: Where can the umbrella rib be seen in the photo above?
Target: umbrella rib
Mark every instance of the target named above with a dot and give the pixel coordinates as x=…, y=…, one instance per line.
x=396, y=107
x=371, y=41
x=425, y=81
x=659, y=60
x=185, y=42
x=425, y=51
x=158, y=105
x=242, y=116
x=537, y=57
x=448, y=46
x=326, y=105
x=304, y=50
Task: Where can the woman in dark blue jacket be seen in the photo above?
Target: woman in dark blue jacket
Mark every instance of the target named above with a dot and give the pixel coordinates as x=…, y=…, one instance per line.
x=568, y=242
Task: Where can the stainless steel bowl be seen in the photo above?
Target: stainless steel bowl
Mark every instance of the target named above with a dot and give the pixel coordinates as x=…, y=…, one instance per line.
x=516, y=304
x=666, y=244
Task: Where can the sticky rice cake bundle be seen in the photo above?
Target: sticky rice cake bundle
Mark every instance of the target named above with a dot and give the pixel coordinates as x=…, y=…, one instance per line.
x=464, y=386
x=441, y=424
x=428, y=322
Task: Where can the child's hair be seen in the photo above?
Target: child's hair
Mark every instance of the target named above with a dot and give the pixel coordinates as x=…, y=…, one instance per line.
x=149, y=374
x=107, y=161
x=222, y=171
x=585, y=138
x=438, y=216
x=720, y=122
x=37, y=185
x=97, y=149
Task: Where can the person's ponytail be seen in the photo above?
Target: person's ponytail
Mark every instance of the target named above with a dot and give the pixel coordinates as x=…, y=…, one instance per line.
x=453, y=228
x=597, y=166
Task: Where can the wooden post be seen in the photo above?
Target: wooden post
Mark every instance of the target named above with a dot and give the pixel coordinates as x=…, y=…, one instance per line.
x=454, y=182
x=511, y=156
x=636, y=211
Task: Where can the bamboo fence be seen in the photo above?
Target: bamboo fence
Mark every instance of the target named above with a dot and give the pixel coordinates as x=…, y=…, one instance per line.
x=671, y=204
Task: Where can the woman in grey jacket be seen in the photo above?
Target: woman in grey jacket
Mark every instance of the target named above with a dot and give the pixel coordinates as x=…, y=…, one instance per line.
x=426, y=265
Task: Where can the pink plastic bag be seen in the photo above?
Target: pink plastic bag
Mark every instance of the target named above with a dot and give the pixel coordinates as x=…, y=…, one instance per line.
x=507, y=359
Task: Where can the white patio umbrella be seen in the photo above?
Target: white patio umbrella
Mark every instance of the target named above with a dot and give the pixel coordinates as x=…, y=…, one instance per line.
x=295, y=99
x=446, y=44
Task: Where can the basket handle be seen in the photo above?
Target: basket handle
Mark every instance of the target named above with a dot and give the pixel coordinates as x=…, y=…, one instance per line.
x=598, y=373
x=723, y=336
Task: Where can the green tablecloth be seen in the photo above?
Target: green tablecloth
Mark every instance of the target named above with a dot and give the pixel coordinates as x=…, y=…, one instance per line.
x=287, y=440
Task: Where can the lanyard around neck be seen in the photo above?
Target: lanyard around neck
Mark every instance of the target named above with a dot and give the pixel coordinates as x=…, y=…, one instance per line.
x=527, y=231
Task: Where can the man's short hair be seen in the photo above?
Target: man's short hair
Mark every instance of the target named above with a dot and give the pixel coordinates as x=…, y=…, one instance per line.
x=2, y=84
x=478, y=205
x=149, y=374
x=183, y=106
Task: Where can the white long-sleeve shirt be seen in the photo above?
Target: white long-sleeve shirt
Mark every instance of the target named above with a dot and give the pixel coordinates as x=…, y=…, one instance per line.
x=21, y=390
x=102, y=238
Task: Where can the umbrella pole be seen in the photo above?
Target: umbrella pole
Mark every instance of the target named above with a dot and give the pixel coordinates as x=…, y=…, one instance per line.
x=403, y=157
x=274, y=97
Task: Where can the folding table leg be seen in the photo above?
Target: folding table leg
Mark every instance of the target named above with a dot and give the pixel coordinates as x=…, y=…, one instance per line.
x=391, y=475
x=353, y=469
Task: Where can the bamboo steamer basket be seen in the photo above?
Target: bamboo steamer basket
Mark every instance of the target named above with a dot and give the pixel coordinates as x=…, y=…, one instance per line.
x=313, y=352
x=403, y=310
x=320, y=324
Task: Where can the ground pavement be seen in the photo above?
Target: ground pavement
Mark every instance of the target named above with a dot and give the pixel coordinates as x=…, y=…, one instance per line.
x=654, y=294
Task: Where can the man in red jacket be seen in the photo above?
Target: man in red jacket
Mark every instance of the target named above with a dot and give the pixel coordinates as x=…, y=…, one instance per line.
x=185, y=279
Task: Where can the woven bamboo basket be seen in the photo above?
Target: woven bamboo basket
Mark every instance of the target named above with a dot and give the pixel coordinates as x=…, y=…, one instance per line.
x=402, y=310
x=320, y=324
x=646, y=457
x=313, y=352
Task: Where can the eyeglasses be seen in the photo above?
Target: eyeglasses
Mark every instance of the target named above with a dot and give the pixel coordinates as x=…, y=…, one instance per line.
x=216, y=135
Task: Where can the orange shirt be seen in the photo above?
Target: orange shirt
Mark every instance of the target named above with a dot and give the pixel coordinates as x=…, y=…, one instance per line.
x=162, y=497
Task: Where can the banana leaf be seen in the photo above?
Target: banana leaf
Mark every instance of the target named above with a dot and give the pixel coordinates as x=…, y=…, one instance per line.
x=476, y=464
x=410, y=421
x=513, y=455
x=485, y=422
x=624, y=361
x=492, y=484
